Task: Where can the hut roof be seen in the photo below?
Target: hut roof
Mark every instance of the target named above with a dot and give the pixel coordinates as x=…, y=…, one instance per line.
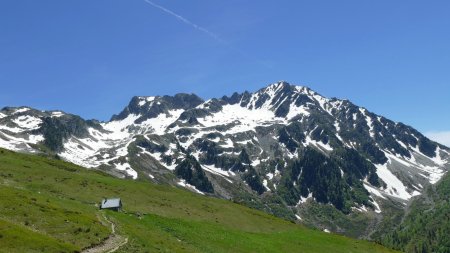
x=111, y=203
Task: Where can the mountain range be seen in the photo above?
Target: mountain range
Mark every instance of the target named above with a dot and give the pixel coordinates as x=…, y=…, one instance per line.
x=283, y=149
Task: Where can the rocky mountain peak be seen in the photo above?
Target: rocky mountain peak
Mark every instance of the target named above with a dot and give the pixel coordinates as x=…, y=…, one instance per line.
x=282, y=144
x=151, y=107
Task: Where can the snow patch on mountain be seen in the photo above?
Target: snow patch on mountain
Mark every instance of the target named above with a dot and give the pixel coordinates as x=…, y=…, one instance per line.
x=297, y=110
x=319, y=144
x=127, y=168
x=323, y=102
x=19, y=144
x=303, y=200
x=434, y=169
x=438, y=158
x=245, y=119
x=75, y=151
x=158, y=157
x=159, y=124
x=218, y=171
x=184, y=184
x=374, y=191
x=369, y=122
x=57, y=114
x=11, y=129
x=395, y=187
x=119, y=129
x=27, y=122
x=145, y=100
x=14, y=138
x=20, y=110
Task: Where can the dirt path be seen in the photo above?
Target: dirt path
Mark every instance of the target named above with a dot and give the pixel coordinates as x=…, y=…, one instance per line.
x=111, y=244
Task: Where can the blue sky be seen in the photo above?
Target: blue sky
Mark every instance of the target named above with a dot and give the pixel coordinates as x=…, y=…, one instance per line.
x=89, y=57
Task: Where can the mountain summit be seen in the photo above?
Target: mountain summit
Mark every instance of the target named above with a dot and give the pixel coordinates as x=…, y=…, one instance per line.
x=278, y=149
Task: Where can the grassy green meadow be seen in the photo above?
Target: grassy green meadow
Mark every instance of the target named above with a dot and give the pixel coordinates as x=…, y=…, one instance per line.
x=48, y=205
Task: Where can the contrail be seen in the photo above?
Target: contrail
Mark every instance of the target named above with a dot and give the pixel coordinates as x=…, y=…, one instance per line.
x=206, y=31
x=186, y=21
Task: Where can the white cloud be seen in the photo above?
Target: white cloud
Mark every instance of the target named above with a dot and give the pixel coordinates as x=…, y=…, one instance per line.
x=442, y=137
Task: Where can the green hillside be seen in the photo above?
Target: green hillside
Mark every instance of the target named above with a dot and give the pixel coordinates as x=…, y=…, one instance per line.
x=426, y=225
x=48, y=205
